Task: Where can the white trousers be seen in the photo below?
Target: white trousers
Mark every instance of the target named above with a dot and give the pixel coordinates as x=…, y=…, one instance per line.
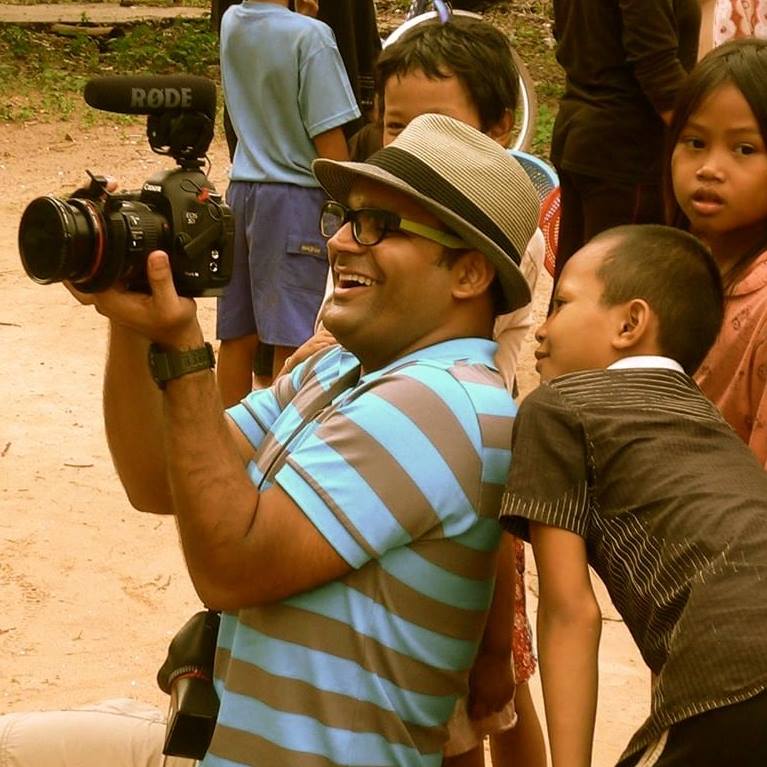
x=112, y=733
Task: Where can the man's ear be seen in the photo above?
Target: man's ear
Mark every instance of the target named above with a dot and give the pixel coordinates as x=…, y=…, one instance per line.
x=472, y=275
x=637, y=328
x=502, y=130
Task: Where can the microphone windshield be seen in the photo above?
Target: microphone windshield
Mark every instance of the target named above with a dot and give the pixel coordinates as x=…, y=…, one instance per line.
x=152, y=94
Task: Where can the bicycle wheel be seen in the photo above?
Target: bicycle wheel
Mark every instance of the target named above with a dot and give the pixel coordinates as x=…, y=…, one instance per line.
x=527, y=109
x=442, y=7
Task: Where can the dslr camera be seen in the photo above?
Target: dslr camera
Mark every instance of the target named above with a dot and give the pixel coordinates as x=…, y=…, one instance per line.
x=96, y=238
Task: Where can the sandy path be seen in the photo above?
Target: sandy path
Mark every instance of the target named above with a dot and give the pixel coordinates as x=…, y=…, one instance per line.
x=98, y=13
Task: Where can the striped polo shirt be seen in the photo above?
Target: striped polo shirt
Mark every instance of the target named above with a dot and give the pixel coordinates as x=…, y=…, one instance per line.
x=672, y=506
x=403, y=474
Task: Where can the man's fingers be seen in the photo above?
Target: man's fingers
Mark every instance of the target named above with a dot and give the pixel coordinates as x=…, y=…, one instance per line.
x=160, y=277
x=161, y=316
x=170, y=311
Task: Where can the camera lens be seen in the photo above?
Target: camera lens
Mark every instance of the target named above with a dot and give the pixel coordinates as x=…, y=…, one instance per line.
x=61, y=240
x=91, y=246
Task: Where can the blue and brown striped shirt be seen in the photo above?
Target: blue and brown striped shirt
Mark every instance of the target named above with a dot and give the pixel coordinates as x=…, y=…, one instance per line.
x=402, y=473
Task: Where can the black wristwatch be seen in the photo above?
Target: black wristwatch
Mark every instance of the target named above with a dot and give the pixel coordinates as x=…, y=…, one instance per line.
x=167, y=365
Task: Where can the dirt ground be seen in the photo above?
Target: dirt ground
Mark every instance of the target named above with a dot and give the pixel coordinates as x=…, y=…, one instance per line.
x=100, y=13
x=90, y=590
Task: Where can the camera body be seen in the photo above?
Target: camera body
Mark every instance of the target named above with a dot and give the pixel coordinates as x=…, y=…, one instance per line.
x=201, y=232
x=96, y=238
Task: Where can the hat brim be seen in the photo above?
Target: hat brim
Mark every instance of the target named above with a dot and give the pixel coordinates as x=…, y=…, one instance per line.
x=337, y=178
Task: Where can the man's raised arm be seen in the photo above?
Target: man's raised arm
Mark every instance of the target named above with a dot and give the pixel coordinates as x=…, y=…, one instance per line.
x=133, y=421
x=177, y=451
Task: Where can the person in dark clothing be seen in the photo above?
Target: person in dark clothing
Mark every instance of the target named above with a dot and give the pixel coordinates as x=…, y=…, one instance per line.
x=356, y=30
x=624, y=63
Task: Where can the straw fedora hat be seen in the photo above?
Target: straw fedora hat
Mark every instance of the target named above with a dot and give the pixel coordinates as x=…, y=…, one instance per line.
x=465, y=179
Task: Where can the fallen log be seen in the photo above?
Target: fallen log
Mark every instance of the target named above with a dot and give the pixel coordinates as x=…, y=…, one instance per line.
x=73, y=30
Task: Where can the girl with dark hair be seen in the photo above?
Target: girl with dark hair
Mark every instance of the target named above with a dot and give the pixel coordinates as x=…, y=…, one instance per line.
x=716, y=187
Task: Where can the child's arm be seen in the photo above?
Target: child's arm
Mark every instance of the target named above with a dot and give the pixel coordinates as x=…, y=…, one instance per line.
x=332, y=145
x=569, y=627
x=510, y=330
x=652, y=45
x=491, y=682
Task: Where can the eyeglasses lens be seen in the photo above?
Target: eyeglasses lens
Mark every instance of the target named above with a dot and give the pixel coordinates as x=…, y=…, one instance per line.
x=369, y=226
x=332, y=219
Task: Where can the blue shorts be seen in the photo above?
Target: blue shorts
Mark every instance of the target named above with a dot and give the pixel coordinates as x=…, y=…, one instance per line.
x=280, y=264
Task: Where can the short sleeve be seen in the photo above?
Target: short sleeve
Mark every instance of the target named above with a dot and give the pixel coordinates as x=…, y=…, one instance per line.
x=548, y=481
x=325, y=95
x=255, y=415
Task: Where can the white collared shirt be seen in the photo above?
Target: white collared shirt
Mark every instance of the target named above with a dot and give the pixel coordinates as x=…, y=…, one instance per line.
x=646, y=361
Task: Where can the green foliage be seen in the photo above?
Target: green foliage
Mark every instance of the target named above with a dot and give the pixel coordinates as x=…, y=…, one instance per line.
x=42, y=75
x=183, y=46
x=16, y=40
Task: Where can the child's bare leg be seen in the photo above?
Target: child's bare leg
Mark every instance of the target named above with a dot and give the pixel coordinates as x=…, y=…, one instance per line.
x=523, y=745
x=235, y=368
x=473, y=758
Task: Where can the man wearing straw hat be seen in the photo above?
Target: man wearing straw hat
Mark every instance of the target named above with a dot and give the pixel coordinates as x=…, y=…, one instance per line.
x=345, y=520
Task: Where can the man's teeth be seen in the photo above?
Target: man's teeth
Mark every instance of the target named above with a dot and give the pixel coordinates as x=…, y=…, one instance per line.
x=357, y=279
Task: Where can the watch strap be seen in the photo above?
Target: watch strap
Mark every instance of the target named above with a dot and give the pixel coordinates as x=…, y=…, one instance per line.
x=165, y=365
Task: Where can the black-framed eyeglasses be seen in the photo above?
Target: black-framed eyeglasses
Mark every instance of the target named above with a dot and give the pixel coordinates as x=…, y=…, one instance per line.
x=371, y=225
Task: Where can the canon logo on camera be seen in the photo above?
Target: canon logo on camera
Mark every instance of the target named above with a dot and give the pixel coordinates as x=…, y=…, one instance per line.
x=154, y=98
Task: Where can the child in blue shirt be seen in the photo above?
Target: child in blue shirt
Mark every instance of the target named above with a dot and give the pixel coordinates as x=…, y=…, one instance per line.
x=288, y=96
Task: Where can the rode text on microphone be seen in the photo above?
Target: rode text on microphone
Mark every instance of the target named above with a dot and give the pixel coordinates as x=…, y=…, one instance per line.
x=157, y=98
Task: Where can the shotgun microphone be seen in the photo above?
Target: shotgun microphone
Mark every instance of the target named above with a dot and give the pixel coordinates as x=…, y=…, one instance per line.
x=152, y=94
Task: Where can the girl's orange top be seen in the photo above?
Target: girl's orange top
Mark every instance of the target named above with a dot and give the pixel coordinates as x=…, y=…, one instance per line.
x=734, y=374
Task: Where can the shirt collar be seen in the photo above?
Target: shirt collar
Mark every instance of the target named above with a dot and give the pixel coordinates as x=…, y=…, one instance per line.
x=646, y=361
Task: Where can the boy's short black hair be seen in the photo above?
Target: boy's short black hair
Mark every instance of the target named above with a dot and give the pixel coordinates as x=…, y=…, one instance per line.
x=676, y=274
x=472, y=50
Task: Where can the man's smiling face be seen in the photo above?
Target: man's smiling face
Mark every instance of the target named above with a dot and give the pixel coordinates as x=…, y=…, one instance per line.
x=391, y=298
